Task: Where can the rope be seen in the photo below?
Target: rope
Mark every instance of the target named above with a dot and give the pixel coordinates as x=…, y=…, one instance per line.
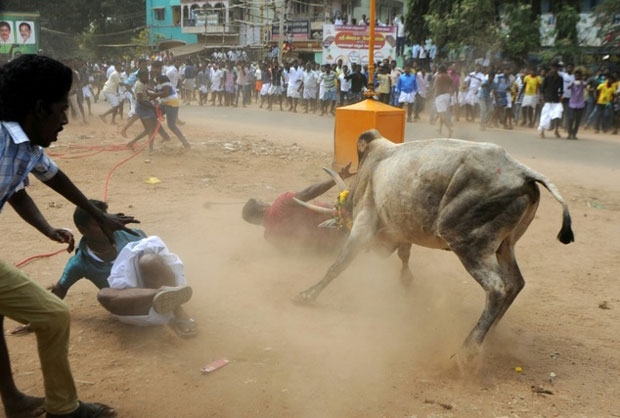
x=35, y=257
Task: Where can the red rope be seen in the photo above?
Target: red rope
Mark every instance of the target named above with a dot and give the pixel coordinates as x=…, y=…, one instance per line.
x=109, y=176
x=34, y=257
x=96, y=150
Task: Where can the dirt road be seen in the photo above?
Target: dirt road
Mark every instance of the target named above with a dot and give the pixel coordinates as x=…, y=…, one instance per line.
x=367, y=348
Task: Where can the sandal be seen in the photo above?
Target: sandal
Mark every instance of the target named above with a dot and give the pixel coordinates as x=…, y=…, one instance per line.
x=170, y=298
x=88, y=410
x=184, y=328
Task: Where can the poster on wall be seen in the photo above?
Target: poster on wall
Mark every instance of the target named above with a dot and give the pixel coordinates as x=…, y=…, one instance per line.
x=19, y=34
x=350, y=44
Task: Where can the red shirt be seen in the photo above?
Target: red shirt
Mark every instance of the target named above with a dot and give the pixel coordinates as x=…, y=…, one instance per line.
x=289, y=225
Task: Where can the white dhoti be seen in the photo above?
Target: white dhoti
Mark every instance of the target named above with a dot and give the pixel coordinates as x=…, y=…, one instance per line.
x=293, y=91
x=406, y=97
x=529, y=100
x=264, y=90
x=442, y=103
x=125, y=274
x=549, y=112
x=471, y=97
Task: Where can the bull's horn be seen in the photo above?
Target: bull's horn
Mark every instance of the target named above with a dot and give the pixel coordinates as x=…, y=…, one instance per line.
x=316, y=208
x=339, y=181
x=330, y=223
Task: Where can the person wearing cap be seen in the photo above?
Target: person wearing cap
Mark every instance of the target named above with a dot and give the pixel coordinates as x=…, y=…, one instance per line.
x=552, y=91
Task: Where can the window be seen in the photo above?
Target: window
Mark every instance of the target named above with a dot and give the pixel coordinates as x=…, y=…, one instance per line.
x=160, y=13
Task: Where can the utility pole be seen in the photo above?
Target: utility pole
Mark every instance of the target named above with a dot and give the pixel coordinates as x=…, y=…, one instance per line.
x=281, y=30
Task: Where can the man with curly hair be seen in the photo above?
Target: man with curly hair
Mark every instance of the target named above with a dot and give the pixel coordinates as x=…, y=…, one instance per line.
x=33, y=104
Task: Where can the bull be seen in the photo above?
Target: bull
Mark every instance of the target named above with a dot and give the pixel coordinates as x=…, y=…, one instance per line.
x=469, y=198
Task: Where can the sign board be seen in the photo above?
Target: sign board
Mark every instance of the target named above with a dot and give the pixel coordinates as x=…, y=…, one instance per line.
x=350, y=44
x=19, y=34
x=294, y=30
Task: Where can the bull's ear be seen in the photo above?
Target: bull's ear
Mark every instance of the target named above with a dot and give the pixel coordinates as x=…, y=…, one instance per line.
x=362, y=146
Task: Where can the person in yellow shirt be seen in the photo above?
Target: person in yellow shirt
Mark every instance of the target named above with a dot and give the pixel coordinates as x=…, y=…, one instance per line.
x=604, y=104
x=532, y=83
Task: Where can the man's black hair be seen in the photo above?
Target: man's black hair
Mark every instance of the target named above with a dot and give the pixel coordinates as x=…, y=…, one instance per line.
x=82, y=218
x=30, y=78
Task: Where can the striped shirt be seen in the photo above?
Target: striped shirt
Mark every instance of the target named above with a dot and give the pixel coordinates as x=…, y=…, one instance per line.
x=18, y=158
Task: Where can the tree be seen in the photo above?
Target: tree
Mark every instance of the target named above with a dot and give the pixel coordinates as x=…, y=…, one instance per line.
x=522, y=32
x=608, y=19
x=461, y=23
x=68, y=24
x=567, y=43
x=415, y=24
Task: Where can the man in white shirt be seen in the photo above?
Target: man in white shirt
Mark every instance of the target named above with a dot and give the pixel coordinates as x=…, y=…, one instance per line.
x=110, y=92
x=310, y=85
x=295, y=81
x=473, y=82
x=400, y=35
x=568, y=78
x=6, y=34
x=345, y=86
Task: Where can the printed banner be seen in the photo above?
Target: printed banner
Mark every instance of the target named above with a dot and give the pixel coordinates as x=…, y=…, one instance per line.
x=350, y=44
x=19, y=34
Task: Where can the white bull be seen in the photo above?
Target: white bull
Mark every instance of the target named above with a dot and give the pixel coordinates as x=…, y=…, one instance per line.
x=469, y=198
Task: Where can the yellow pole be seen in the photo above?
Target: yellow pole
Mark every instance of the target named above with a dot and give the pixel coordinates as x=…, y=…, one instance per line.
x=371, y=51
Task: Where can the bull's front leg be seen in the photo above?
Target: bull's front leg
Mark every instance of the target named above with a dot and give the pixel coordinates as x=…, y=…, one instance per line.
x=362, y=232
x=406, y=276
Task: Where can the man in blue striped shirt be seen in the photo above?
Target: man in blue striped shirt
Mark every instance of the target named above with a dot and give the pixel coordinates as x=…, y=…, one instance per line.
x=33, y=105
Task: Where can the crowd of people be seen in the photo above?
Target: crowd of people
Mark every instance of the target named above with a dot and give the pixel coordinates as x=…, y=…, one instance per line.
x=493, y=95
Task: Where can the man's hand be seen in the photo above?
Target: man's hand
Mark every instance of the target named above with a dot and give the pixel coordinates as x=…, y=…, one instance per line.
x=344, y=172
x=115, y=222
x=64, y=236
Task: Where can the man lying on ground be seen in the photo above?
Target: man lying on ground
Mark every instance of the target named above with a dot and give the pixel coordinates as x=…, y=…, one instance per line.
x=291, y=226
x=140, y=281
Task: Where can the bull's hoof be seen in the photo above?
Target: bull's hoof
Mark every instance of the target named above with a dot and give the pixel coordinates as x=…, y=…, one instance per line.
x=406, y=278
x=304, y=298
x=469, y=359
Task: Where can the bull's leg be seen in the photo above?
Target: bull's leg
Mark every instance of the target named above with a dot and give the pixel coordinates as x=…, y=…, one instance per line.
x=406, y=276
x=361, y=233
x=486, y=271
x=513, y=280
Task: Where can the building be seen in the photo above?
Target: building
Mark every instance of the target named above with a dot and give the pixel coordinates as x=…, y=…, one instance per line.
x=242, y=23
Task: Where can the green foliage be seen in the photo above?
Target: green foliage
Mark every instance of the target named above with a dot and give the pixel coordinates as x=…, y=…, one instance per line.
x=566, y=41
x=78, y=27
x=606, y=15
x=415, y=24
x=521, y=32
x=454, y=24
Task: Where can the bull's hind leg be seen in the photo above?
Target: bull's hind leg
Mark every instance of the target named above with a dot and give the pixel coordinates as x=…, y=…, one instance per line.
x=485, y=269
x=513, y=280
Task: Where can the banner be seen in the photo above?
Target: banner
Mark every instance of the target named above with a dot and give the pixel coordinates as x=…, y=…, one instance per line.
x=295, y=30
x=350, y=44
x=19, y=34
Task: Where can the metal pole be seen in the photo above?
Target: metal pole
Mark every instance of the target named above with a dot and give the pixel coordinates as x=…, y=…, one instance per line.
x=281, y=30
x=371, y=50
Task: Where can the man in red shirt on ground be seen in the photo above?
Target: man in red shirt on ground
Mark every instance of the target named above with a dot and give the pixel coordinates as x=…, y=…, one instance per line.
x=291, y=226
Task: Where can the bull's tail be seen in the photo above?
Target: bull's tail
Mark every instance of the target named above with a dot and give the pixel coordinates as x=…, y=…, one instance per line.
x=565, y=236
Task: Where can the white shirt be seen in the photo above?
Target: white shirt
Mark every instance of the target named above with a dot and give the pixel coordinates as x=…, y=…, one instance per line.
x=173, y=75
x=345, y=85
x=568, y=80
